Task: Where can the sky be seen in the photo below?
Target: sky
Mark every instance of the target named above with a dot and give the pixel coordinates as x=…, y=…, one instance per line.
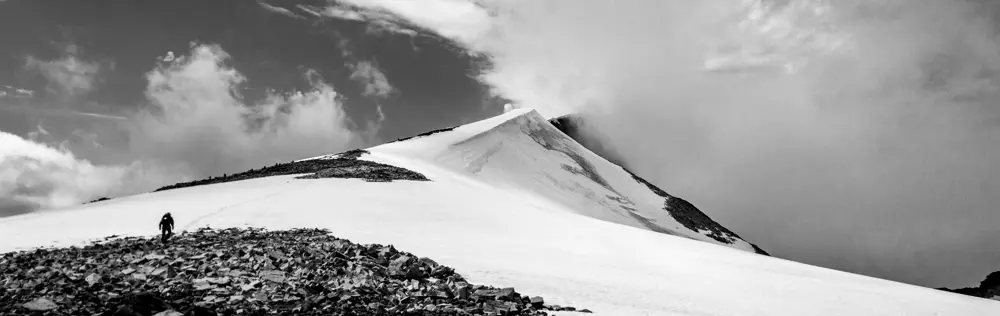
x=858, y=135
x=103, y=98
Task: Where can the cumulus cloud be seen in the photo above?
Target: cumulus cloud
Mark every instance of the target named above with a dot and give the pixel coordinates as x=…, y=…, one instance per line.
x=195, y=124
x=199, y=120
x=368, y=74
x=33, y=175
x=858, y=135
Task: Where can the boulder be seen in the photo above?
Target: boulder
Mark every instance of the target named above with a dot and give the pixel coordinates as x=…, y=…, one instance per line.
x=506, y=294
x=40, y=304
x=537, y=302
x=398, y=266
x=273, y=276
x=93, y=278
x=462, y=291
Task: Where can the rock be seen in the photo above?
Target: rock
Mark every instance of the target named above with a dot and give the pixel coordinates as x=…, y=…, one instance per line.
x=93, y=278
x=428, y=262
x=396, y=267
x=260, y=296
x=229, y=270
x=223, y=280
x=273, y=276
x=586, y=311
x=276, y=254
x=462, y=291
x=414, y=272
x=202, y=284
x=506, y=294
x=40, y=304
x=154, y=257
x=146, y=269
x=124, y=310
x=249, y=286
x=537, y=301
x=499, y=307
x=437, y=294
x=490, y=293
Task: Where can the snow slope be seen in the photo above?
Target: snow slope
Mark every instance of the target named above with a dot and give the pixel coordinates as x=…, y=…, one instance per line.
x=513, y=202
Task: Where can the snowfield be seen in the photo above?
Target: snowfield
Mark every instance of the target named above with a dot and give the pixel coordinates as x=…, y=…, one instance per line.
x=514, y=202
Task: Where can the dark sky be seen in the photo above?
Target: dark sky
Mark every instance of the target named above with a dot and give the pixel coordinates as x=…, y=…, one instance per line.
x=861, y=136
x=79, y=75
x=435, y=83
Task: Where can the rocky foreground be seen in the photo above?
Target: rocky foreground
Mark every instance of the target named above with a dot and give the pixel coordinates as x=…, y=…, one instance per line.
x=245, y=272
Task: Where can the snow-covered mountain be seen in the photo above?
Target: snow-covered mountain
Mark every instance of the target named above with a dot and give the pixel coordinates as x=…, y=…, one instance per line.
x=510, y=201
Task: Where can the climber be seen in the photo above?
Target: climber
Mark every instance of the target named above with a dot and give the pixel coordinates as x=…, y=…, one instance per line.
x=166, y=227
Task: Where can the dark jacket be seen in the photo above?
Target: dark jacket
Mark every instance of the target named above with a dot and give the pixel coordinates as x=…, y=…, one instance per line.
x=167, y=223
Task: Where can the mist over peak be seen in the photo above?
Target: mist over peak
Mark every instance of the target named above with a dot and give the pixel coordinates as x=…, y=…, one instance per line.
x=859, y=135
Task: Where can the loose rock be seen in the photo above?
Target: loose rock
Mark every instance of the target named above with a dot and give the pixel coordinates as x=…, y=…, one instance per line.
x=40, y=304
x=244, y=272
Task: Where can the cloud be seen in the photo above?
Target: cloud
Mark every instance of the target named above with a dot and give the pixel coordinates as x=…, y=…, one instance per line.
x=375, y=82
x=858, y=135
x=33, y=175
x=199, y=120
x=15, y=93
x=376, y=21
x=195, y=124
x=280, y=10
x=38, y=133
x=462, y=20
x=63, y=112
x=67, y=77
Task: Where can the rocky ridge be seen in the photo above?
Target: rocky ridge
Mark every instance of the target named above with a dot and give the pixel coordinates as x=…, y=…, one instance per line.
x=343, y=165
x=989, y=288
x=245, y=272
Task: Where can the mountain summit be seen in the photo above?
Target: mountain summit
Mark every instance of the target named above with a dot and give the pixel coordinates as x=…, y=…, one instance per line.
x=510, y=201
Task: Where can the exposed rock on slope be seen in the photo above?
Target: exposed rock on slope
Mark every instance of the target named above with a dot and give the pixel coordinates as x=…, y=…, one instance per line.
x=988, y=288
x=426, y=134
x=343, y=165
x=248, y=272
x=681, y=210
x=692, y=218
